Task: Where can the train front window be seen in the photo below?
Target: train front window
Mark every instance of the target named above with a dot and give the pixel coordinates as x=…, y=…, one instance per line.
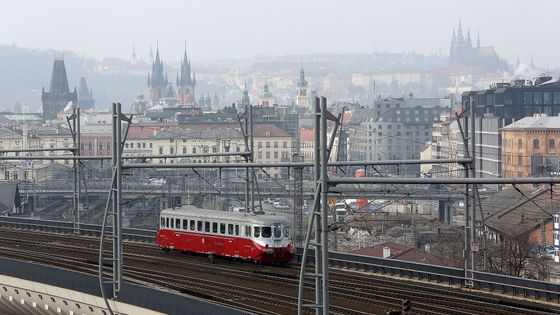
x=277, y=230
x=191, y=225
x=266, y=231
x=178, y=223
x=237, y=229
x=172, y=223
x=286, y=231
x=162, y=222
x=206, y=226
x=248, y=230
x=166, y=222
x=185, y=224
x=222, y=228
x=257, y=232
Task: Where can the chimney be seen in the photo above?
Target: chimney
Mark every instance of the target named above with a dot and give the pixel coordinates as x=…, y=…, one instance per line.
x=386, y=252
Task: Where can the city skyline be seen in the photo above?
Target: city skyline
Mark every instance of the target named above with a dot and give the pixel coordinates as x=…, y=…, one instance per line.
x=223, y=30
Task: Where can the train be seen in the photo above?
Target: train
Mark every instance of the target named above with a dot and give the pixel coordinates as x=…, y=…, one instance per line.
x=260, y=238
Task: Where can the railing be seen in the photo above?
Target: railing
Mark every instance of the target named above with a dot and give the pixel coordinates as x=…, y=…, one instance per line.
x=232, y=188
x=453, y=276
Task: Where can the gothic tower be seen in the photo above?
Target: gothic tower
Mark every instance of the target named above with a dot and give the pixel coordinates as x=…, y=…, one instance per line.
x=157, y=81
x=185, y=81
x=85, y=95
x=59, y=95
x=302, y=98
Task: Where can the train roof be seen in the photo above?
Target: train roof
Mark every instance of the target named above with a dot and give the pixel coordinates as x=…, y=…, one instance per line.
x=192, y=211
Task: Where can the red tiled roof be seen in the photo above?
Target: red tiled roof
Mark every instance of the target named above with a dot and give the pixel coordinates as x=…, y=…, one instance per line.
x=306, y=133
x=405, y=253
x=269, y=131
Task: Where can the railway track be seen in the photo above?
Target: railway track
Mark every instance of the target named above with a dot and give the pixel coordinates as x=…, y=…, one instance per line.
x=259, y=289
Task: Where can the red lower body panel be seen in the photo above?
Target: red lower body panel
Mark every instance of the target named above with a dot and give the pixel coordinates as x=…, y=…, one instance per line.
x=225, y=245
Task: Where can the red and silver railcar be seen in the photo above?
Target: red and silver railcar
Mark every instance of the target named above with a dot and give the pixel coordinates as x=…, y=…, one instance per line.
x=262, y=238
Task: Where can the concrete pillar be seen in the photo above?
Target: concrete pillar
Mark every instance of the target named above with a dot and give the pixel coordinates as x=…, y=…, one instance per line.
x=444, y=213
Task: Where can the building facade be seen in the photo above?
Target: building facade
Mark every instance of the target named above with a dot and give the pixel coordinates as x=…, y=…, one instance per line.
x=513, y=101
x=531, y=147
x=394, y=129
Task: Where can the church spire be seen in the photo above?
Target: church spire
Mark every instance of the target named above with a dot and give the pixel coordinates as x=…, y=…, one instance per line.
x=454, y=37
x=460, y=32
x=477, y=39
x=469, y=41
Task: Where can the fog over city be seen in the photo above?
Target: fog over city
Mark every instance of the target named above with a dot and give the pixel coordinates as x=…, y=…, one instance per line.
x=223, y=29
x=279, y=157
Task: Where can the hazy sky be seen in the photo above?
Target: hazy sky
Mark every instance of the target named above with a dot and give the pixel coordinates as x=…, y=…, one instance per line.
x=216, y=29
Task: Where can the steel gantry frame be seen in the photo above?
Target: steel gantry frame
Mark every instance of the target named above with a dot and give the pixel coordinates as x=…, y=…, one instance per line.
x=319, y=219
x=74, y=126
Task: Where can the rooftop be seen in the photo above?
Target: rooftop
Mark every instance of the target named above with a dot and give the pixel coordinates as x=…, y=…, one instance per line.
x=515, y=212
x=537, y=121
x=403, y=252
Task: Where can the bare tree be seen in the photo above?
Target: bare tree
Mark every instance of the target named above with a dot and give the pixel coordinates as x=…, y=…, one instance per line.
x=512, y=256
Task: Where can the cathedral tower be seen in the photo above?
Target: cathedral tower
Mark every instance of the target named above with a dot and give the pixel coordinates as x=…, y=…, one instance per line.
x=186, y=81
x=157, y=81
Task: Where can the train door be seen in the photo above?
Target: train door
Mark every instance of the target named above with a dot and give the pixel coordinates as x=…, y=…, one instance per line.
x=277, y=235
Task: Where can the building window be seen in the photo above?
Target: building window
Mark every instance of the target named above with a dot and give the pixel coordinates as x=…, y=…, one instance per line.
x=194, y=150
x=519, y=160
x=276, y=144
x=268, y=155
x=160, y=150
x=527, y=99
x=535, y=143
x=285, y=144
x=171, y=151
x=519, y=144
x=184, y=150
x=551, y=143
x=259, y=145
x=268, y=144
x=556, y=98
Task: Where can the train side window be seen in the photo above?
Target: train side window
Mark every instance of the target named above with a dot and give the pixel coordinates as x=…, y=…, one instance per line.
x=222, y=228
x=237, y=230
x=185, y=224
x=199, y=226
x=166, y=222
x=177, y=223
x=266, y=231
x=215, y=227
x=206, y=226
x=230, y=229
x=192, y=224
x=248, y=230
x=172, y=223
x=162, y=222
x=257, y=232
